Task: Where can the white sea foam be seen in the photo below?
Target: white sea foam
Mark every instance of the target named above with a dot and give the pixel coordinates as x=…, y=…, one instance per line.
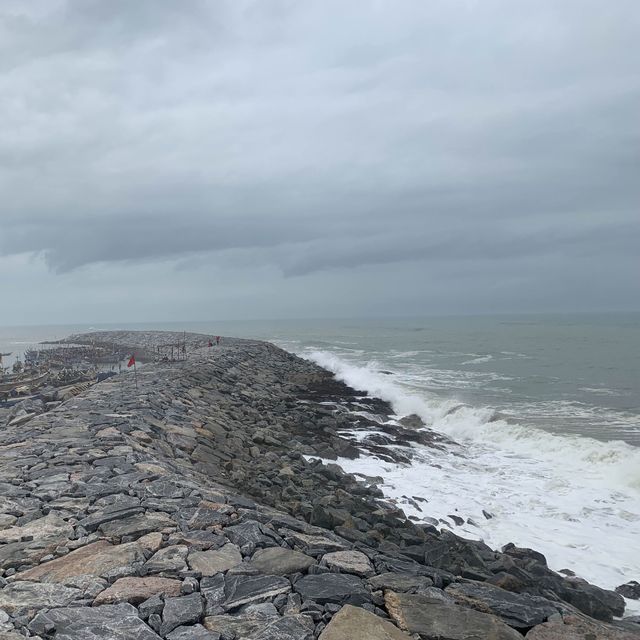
x=576, y=499
x=479, y=359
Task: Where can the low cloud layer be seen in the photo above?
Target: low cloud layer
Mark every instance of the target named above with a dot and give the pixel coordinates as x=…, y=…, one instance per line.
x=325, y=143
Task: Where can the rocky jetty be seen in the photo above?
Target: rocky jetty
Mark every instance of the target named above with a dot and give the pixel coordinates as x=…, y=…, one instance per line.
x=195, y=506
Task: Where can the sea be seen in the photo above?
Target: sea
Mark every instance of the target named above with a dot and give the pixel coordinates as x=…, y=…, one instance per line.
x=543, y=412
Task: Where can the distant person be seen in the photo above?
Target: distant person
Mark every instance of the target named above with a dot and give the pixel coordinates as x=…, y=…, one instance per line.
x=210, y=343
x=217, y=340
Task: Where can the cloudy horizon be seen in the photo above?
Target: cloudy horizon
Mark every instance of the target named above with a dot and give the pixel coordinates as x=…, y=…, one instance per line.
x=203, y=160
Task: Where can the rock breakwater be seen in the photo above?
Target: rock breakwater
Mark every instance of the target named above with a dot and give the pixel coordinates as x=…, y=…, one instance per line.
x=196, y=506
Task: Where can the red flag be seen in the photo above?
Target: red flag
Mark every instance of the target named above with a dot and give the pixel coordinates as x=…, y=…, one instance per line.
x=132, y=360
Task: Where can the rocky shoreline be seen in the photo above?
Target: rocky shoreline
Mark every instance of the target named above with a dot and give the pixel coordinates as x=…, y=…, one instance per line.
x=196, y=506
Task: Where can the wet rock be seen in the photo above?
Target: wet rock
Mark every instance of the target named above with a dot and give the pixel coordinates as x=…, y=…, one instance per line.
x=208, y=563
x=629, y=590
x=279, y=561
x=594, y=601
x=181, y=611
x=521, y=611
x=336, y=588
x=349, y=562
x=136, y=590
x=433, y=619
x=573, y=627
x=354, y=623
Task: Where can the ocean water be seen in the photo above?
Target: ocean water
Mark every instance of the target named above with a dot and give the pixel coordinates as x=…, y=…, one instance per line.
x=544, y=412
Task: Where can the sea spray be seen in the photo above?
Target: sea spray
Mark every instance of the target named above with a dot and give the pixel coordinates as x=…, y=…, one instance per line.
x=574, y=498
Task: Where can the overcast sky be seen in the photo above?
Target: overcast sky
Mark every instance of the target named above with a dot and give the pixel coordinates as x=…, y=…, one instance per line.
x=198, y=160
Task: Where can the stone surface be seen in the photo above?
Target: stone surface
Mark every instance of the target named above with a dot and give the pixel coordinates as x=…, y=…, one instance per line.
x=110, y=622
x=193, y=632
x=354, y=623
x=297, y=627
x=179, y=611
x=579, y=628
x=208, y=563
x=349, y=562
x=336, y=588
x=36, y=595
x=136, y=590
x=400, y=582
x=238, y=626
x=96, y=559
x=171, y=560
x=240, y=590
x=629, y=590
x=433, y=619
x=279, y=561
x=137, y=525
x=520, y=611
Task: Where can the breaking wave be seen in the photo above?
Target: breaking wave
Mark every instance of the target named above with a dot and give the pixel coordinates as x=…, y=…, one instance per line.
x=574, y=498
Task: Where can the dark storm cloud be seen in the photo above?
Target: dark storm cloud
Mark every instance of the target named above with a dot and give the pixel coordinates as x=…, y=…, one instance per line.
x=320, y=137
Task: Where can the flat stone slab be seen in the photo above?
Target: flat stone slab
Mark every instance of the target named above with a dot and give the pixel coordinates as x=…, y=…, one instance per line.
x=110, y=622
x=297, y=627
x=578, y=628
x=349, y=562
x=355, y=623
x=192, y=632
x=400, y=582
x=51, y=526
x=208, y=563
x=280, y=562
x=518, y=610
x=181, y=611
x=19, y=595
x=327, y=542
x=137, y=525
x=337, y=588
x=96, y=559
x=171, y=559
x=241, y=589
x=240, y=626
x=137, y=590
x=433, y=619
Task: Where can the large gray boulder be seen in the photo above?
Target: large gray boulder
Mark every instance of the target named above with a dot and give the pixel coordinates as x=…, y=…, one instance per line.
x=110, y=622
x=208, y=563
x=354, y=623
x=336, y=588
x=24, y=596
x=431, y=618
x=297, y=627
x=241, y=589
x=182, y=610
x=518, y=610
x=280, y=562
